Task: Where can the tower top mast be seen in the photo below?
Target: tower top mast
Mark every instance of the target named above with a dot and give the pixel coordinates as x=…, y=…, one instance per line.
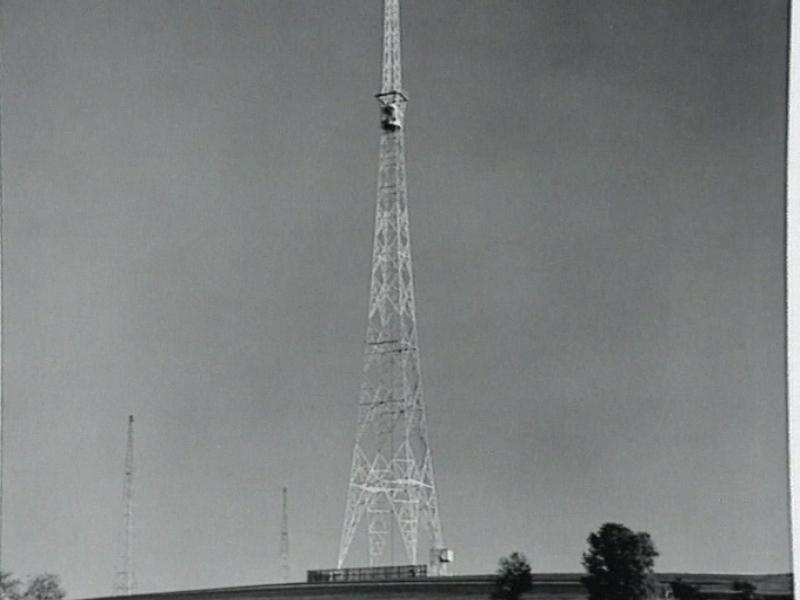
x=391, y=96
x=392, y=66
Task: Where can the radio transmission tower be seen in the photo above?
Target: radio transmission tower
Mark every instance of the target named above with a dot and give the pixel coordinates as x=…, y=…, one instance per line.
x=391, y=479
x=285, y=540
x=124, y=584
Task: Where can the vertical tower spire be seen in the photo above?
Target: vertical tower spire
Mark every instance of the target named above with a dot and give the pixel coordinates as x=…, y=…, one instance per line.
x=2, y=394
x=285, y=539
x=392, y=64
x=124, y=584
x=391, y=478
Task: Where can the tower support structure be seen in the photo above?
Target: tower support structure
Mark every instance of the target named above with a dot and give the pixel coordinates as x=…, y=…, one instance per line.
x=392, y=484
x=124, y=583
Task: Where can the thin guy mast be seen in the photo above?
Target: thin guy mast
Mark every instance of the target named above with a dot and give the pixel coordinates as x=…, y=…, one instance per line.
x=285, y=539
x=124, y=584
x=2, y=394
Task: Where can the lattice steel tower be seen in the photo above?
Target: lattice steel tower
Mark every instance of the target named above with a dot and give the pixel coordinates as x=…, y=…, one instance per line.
x=391, y=479
x=124, y=582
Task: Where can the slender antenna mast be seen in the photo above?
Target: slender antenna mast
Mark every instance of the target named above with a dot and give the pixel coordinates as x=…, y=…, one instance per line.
x=124, y=584
x=285, y=540
x=1, y=327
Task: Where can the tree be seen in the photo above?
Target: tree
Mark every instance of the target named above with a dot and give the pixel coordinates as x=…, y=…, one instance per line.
x=9, y=587
x=619, y=564
x=44, y=587
x=684, y=591
x=513, y=577
x=746, y=589
x=41, y=587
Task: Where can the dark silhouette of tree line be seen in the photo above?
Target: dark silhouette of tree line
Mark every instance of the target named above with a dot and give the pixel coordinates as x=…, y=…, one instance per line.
x=40, y=587
x=619, y=565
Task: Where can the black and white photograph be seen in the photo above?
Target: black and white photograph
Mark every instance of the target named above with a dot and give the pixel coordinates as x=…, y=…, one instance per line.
x=396, y=300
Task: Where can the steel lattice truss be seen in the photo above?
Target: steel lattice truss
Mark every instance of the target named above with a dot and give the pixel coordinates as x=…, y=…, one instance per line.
x=391, y=478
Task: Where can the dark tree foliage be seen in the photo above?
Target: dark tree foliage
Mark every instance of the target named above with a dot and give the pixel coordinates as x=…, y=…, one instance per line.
x=684, y=591
x=41, y=587
x=44, y=587
x=746, y=589
x=9, y=587
x=619, y=564
x=513, y=577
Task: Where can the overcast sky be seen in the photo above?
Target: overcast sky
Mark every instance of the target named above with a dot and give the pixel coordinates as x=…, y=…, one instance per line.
x=597, y=205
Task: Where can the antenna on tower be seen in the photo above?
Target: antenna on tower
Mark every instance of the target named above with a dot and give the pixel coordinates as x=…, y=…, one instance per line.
x=285, y=539
x=124, y=584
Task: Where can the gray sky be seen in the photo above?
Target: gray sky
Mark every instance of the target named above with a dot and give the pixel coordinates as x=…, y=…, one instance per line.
x=596, y=194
